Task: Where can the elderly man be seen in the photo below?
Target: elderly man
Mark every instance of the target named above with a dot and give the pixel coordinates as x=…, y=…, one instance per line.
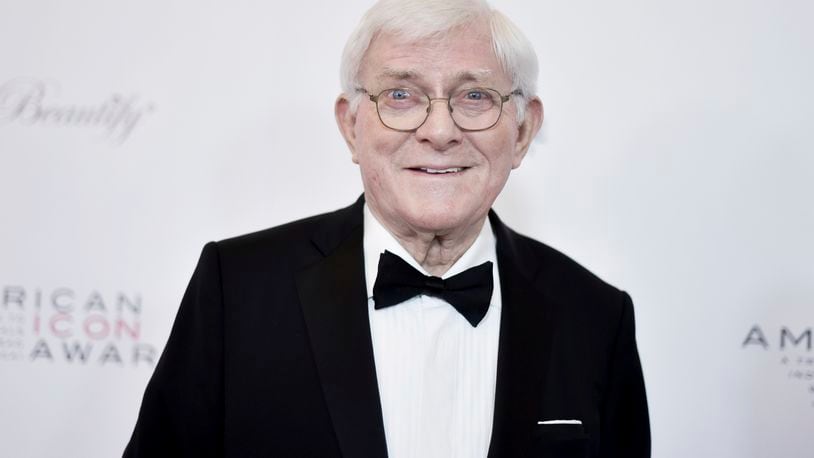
x=413, y=323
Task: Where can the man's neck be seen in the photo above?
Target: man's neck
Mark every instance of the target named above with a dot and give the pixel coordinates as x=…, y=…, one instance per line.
x=435, y=252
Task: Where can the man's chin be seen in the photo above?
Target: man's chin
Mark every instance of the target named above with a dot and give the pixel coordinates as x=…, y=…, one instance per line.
x=428, y=214
x=440, y=220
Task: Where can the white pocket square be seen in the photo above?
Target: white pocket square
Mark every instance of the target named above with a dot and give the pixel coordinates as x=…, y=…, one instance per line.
x=560, y=422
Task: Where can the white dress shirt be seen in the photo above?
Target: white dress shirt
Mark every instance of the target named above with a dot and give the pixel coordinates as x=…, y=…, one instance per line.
x=436, y=372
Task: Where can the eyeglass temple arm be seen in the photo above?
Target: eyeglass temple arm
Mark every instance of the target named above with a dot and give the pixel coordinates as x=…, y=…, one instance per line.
x=373, y=98
x=505, y=98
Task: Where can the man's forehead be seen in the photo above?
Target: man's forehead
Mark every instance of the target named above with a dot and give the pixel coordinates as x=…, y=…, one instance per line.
x=466, y=57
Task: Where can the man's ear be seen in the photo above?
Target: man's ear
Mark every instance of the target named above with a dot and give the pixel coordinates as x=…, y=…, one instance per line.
x=346, y=120
x=527, y=130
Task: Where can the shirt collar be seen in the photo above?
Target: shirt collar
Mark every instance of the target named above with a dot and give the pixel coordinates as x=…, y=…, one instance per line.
x=377, y=239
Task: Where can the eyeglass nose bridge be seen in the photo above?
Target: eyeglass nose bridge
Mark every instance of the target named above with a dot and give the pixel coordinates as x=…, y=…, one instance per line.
x=429, y=110
x=438, y=99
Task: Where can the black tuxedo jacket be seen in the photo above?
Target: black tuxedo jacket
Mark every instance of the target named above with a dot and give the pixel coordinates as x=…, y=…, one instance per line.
x=271, y=356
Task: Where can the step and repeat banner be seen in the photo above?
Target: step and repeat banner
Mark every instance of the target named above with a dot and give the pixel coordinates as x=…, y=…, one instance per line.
x=676, y=161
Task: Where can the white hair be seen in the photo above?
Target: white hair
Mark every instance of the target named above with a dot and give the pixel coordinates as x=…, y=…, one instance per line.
x=417, y=19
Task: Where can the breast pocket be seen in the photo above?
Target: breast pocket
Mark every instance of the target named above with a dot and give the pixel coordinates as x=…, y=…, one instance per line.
x=559, y=441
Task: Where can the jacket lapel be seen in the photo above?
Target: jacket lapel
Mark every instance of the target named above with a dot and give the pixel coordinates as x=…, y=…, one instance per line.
x=334, y=303
x=523, y=346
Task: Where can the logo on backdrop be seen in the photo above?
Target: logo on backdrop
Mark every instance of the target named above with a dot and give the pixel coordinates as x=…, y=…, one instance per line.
x=793, y=346
x=32, y=102
x=68, y=326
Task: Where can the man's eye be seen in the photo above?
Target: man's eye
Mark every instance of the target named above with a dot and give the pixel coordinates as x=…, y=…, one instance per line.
x=475, y=95
x=399, y=94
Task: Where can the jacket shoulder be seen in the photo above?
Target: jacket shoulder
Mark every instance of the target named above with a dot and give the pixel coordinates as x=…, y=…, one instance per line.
x=538, y=258
x=294, y=238
x=565, y=281
x=282, y=235
x=563, y=268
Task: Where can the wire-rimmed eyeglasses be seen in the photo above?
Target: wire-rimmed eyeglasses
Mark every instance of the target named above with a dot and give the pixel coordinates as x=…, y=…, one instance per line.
x=406, y=109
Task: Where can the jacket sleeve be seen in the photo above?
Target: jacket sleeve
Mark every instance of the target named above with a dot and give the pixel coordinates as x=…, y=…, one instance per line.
x=625, y=419
x=181, y=413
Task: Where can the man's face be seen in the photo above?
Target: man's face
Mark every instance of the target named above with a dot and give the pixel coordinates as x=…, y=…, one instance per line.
x=398, y=188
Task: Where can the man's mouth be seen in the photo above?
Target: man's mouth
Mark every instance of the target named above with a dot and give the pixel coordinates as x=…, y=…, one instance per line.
x=432, y=171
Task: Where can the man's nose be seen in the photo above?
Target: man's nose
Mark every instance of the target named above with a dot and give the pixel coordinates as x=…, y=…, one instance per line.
x=439, y=128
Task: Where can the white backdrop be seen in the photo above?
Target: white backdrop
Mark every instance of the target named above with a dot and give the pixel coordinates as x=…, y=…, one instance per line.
x=675, y=162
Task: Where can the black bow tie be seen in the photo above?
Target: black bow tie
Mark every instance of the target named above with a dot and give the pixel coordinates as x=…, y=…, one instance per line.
x=469, y=291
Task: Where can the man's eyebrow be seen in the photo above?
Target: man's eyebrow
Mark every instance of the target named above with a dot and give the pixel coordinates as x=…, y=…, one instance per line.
x=396, y=74
x=465, y=76
x=468, y=76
